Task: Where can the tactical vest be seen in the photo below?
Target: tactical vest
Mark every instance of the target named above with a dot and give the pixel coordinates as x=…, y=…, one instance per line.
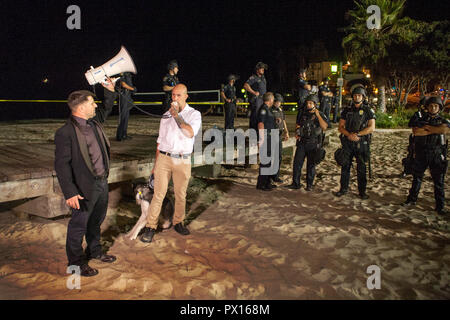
x=309, y=131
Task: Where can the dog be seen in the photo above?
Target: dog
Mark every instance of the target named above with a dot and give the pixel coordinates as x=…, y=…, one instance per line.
x=144, y=195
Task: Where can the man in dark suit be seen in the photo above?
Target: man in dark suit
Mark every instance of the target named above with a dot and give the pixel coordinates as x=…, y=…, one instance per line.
x=82, y=167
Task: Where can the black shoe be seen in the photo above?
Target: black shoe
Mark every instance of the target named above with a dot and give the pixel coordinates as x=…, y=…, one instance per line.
x=87, y=271
x=340, y=193
x=127, y=138
x=272, y=186
x=265, y=188
x=277, y=179
x=181, y=229
x=363, y=196
x=309, y=188
x=408, y=203
x=105, y=258
x=294, y=186
x=441, y=212
x=148, y=234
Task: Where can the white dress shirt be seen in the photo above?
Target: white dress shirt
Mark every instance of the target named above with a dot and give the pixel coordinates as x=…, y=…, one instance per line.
x=171, y=139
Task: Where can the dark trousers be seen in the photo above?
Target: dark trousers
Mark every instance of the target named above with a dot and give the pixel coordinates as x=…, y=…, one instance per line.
x=255, y=104
x=263, y=179
x=277, y=175
x=423, y=161
x=335, y=114
x=86, y=222
x=352, y=150
x=230, y=113
x=325, y=107
x=125, y=107
x=302, y=152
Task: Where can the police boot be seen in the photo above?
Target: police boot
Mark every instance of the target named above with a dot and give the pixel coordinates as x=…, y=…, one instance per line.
x=309, y=187
x=363, y=196
x=340, y=193
x=294, y=186
x=409, y=202
x=441, y=212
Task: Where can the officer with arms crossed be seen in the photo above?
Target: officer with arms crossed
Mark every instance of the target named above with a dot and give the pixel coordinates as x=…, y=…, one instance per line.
x=356, y=125
x=311, y=123
x=430, y=151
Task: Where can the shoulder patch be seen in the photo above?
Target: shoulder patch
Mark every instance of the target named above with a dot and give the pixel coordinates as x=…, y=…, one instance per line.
x=263, y=111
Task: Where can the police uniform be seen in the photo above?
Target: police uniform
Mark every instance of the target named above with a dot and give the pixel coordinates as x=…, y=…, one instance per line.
x=266, y=116
x=302, y=92
x=309, y=144
x=230, y=107
x=258, y=84
x=171, y=81
x=325, y=101
x=125, y=105
x=279, y=123
x=356, y=119
x=429, y=152
x=335, y=103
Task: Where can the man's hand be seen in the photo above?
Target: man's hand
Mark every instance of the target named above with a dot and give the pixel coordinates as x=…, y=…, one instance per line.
x=73, y=202
x=109, y=84
x=417, y=131
x=353, y=137
x=307, y=86
x=174, y=109
x=256, y=93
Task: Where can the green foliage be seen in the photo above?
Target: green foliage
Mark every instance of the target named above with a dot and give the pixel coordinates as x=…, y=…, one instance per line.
x=396, y=119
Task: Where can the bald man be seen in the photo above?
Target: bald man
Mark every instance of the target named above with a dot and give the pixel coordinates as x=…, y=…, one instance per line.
x=175, y=144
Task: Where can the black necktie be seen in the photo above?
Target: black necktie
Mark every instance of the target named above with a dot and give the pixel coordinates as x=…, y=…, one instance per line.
x=99, y=141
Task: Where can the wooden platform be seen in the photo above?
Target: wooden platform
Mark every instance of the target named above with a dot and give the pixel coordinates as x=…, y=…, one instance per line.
x=27, y=170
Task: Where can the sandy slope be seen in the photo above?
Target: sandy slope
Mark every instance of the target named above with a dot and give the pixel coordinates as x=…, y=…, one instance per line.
x=250, y=244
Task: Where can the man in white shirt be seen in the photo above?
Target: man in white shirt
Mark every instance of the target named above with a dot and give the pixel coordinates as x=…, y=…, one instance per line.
x=175, y=144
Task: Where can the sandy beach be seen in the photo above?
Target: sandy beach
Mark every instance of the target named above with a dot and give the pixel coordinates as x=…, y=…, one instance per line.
x=246, y=243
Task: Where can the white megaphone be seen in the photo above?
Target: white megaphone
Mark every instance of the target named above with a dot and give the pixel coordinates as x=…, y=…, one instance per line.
x=122, y=62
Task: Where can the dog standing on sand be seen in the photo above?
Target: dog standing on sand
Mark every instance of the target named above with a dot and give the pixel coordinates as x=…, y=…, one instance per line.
x=144, y=195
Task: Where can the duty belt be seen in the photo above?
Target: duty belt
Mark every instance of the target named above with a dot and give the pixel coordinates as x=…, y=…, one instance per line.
x=175, y=155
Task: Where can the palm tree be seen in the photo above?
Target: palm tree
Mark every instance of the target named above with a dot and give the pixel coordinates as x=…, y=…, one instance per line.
x=369, y=47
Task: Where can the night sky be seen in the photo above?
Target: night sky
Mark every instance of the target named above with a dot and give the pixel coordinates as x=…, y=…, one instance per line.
x=209, y=39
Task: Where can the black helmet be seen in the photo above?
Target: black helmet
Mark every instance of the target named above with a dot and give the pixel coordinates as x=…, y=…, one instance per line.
x=326, y=79
x=172, y=64
x=260, y=65
x=313, y=98
x=278, y=97
x=436, y=100
x=232, y=77
x=359, y=90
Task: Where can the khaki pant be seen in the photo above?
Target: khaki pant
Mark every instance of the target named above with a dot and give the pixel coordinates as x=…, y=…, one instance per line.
x=180, y=171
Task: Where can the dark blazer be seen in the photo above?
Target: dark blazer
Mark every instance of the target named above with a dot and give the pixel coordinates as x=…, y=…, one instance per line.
x=73, y=165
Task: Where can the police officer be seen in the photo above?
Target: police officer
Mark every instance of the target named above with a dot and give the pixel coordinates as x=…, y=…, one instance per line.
x=256, y=86
x=417, y=120
x=335, y=103
x=311, y=123
x=228, y=94
x=169, y=81
x=430, y=151
x=356, y=125
x=303, y=88
x=125, y=105
x=325, y=97
x=280, y=122
x=266, y=122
